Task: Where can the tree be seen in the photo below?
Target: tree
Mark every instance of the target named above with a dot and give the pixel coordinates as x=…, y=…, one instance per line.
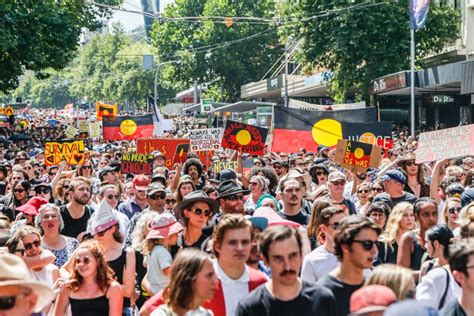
x=365, y=42
x=200, y=45
x=37, y=35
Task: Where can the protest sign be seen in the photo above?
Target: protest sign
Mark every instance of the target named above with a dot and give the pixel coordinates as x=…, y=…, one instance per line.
x=356, y=155
x=445, y=144
x=135, y=163
x=374, y=133
x=103, y=109
x=205, y=139
x=94, y=130
x=69, y=151
x=7, y=111
x=71, y=131
x=168, y=146
x=243, y=137
x=219, y=166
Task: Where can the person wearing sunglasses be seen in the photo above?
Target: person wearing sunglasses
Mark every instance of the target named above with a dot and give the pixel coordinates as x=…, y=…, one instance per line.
x=19, y=293
x=416, y=183
x=44, y=190
x=105, y=228
x=336, y=185
x=355, y=245
x=194, y=211
x=20, y=194
x=110, y=192
x=322, y=260
x=451, y=210
x=363, y=198
x=231, y=197
x=319, y=175
x=91, y=288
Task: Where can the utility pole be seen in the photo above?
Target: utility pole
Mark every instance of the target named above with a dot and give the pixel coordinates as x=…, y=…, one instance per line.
x=286, y=74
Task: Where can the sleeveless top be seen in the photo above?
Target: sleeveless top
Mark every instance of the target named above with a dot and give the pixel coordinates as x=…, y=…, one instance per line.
x=141, y=272
x=117, y=266
x=98, y=306
x=418, y=253
x=62, y=255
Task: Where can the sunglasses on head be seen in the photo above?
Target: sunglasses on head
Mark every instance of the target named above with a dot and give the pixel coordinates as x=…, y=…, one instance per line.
x=18, y=190
x=157, y=196
x=29, y=246
x=85, y=260
x=366, y=244
x=170, y=201
x=234, y=197
x=102, y=233
x=453, y=210
x=199, y=211
x=8, y=302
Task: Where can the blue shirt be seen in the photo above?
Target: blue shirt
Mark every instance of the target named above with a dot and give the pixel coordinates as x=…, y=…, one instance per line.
x=129, y=208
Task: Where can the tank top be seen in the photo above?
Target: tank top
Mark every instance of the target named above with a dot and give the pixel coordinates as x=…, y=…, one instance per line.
x=98, y=306
x=117, y=266
x=417, y=254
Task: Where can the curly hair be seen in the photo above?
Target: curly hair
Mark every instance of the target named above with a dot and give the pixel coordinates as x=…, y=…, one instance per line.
x=192, y=162
x=104, y=276
x=186, y=266
x=141, y=230
x=268, y=173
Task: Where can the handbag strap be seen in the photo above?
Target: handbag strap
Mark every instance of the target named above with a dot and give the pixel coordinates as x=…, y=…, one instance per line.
x=443, y=298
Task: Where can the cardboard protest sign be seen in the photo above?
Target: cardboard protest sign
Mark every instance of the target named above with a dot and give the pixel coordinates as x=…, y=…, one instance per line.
x=134, y=163
x=205, y=139
x=243, y=137
x=70, y=151
x=94, y=130
x=103, y=109
x=356, y=155
x=71, y=131
x=219, y=166
x=7, y=111
x=445, y=144
x=168, y=146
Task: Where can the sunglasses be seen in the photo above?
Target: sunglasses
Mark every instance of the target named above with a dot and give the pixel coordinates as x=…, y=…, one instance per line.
x=363, y=191
x=29, y=246
x=111, y=196
x=86, y=167
x=410, y=163
x=320, y=173
x=170, y=201
x=102, y=233
x=334, y=225
x=377, y=190
x=85, y=260
x=52, y=173
x=234, y=197
x=340, y=182
x=28, y=168
x=366, y=244
x=18, y=190
x=199, y=211
x=8, y=302
x=157, y=196
x=453, y=210
x=43, y=191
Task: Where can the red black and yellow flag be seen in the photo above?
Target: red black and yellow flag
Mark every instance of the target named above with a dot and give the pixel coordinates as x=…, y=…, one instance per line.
x=295, y=128
x=374, y=133
x=127, y=127
x=103, y=109
x=243, y=137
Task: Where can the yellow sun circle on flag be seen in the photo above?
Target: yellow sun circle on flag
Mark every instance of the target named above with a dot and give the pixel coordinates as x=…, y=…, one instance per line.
x=128, y=127
x=243, y=137
x=359, y=153
x=327, y=132
x=368, y=138
x=105, y=112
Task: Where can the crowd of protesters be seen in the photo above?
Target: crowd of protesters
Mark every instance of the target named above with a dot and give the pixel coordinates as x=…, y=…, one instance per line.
x=295, y=234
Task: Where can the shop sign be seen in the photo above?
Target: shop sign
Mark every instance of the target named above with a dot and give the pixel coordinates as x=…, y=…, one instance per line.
x=389, y=83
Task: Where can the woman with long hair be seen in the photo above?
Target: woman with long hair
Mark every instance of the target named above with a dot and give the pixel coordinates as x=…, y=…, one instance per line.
x=400, y=220
x=313, y=229
x=363, y=198
x=416, y=183
x=451, y=210
x=20, y=194
x=192, y=282
x=50, y=222
x=258, y=186
x=398, y=278
x=60, y=191
x=91, y=289
x=185, y=186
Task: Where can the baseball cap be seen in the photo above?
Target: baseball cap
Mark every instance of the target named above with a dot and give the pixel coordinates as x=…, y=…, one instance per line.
x=141, y=181
x=335, y=176
x=154, y=187
x=371, y=298
x=395, y=175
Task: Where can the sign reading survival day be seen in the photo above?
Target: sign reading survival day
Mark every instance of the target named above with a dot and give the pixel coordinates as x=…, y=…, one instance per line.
x=69, y=151
x=134, y=163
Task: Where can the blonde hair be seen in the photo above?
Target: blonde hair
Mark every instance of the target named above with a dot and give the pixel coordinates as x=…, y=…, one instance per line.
x=465, y=214
x=398, y=278
x=445, y=208
x=392, y=227
x=141, y=229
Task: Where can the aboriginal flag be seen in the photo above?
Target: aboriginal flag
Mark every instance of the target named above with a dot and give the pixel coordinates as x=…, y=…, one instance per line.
x=295, y=128
x=127, y=127
x=244, y=137
x=374, y=133
x=103, y=109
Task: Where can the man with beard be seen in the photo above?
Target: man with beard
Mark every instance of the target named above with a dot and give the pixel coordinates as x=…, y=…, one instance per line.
x=286, y=293
x=76, y=213
x=291, y=197
x=355, y=245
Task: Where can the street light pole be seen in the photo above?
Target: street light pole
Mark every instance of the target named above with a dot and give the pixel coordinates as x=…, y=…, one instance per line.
x=155, y=95
x=286, y=75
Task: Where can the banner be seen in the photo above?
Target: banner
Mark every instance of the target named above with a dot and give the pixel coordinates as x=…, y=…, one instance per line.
x=445, y=144
x=418, y=13
x=70, y=151
x=205, y=139
x=174, y=149
x=7, y=111
x=243, y=137
x=134, y=163
x=356, y=155
x=127, y=127
x=219, y=166
x=103, y=109
x=374, y=133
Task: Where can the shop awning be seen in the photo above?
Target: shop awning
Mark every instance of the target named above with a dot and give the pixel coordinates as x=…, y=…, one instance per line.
x=242, y=106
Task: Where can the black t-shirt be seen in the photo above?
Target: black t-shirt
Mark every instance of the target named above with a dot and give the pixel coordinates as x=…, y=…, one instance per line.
x=391, y=202
x=180, y=244
x=341, y=292
x=74, y=226
x=300, y=218
x=312, y=300
x=387, y=253
x=452, y=309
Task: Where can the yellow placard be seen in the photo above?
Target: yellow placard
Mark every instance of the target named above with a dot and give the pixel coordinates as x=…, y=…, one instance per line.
x=69, y=151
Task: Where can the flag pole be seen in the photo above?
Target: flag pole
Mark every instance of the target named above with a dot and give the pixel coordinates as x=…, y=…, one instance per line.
x=412, y=82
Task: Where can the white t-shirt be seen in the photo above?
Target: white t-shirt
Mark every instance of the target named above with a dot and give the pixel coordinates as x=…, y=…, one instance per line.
x=234, y=290
x=159, y=260
x=317, y=264
x=432, y=286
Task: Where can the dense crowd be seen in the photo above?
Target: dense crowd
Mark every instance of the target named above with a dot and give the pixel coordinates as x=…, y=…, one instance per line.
x=295, y=234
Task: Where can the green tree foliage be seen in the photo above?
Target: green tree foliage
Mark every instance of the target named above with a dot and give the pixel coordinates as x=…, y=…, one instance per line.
x=361, y=44
x=37, y=35
x=199, y=45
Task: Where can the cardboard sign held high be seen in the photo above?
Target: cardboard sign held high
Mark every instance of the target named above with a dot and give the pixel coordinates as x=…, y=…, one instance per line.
x=244, y=137
x=134, y=163
x=70, y=151
x=356, y=155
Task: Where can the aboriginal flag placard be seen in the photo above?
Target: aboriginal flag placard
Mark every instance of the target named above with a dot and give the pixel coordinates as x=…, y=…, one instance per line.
x=174, y=149
x=243, y=137
x=127, y=127
x=356, y=155
x=103, y=109
x=295, y=128
x=374, y=133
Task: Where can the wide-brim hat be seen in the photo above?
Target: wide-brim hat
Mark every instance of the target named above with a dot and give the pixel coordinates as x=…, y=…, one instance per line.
x=230, y=187
x=14, y=272
x=295, y=174
x=195, y=196
x=409, y=156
